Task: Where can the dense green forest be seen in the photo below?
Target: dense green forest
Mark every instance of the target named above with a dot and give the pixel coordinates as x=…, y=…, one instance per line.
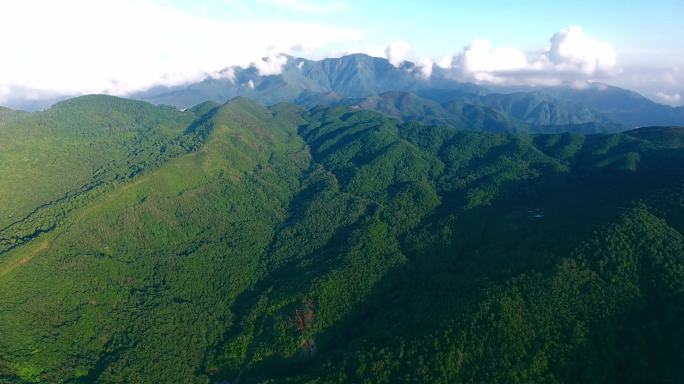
x=251, y=244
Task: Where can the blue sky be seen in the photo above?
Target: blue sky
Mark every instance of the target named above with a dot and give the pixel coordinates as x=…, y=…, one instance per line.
x=120, y=46
x=438, y=27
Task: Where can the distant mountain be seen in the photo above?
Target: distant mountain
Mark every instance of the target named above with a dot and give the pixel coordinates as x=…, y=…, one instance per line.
x=514, y=113
x=539, y=109
x=309, y=82
x=617, y=104
x=348, y=78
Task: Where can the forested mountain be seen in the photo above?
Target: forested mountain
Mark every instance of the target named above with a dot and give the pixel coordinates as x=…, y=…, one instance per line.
x=491, y=113
x=356, y=75
x=618, y=104
x=253, y=244
x=7, y=115
x=539, y=109
x=369, y=82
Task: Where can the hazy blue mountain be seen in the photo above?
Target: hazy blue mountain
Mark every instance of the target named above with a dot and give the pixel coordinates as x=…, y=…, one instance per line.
x=410, y=107
x=539, y=109
x=309, y=82
x=346, y=79
x=618, y=104
x=352, y=77
x=543, y=116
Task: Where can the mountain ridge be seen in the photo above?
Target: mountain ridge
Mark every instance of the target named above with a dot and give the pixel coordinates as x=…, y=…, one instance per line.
x=331, y=80
x=336, y=244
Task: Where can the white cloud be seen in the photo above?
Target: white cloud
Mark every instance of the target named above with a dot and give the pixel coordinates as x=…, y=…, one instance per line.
x=445, y=62
x=227, y=73
x=117, y=47
x=425, y=65
x=397, y=52
x=482, y=61
x=673, y=76
x=571, y=57
x=572, y=50
x=672, y=99
x=271, y=64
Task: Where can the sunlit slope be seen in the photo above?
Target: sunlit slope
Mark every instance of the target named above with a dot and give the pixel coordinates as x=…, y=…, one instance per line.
x=340, y=245
x=51, y=159
x=122, y=274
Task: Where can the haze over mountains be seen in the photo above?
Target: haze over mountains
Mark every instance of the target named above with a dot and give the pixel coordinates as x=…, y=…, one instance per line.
x=332, y=81
x=375, y=83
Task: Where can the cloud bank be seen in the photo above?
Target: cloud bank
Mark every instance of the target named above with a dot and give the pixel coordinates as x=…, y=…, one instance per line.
x=92, y=46
x=571, y=56
x=398, y=52
x=672, y=99
x=74, y=47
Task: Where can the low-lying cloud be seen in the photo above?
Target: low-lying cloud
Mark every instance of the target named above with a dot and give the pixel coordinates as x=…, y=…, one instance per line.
x=92, y=46
x=398, y=52
x=571, y=56
x=667, y=98
x=85, y=46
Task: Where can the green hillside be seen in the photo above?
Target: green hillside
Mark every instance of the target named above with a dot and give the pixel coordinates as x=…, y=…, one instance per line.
x=539, y=109
x=240, y=243
x=55, y=161
x=8, y=115
x=514, y=113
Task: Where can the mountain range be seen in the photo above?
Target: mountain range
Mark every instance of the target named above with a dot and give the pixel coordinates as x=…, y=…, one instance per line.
x=385, y=238
x=357, y=76
x=583, y=108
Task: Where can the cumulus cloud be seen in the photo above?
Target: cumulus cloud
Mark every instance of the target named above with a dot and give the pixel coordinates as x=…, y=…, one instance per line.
x=271, y=64
x=445, y=62
x=397, y=52
x=572, y=56
x=118, y=47
x=226, y=73
x=573, y=50
x=672, y=99
x=425, y=65
x=485, y=63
